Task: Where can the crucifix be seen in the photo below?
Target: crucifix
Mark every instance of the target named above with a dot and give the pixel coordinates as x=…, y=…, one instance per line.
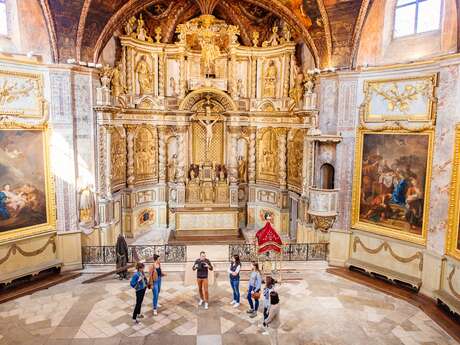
x=207, y=119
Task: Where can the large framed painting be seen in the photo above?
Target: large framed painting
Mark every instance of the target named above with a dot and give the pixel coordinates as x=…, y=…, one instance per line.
x=453, y=238
x=408, y=99
x=391, y=183
x=27, y=205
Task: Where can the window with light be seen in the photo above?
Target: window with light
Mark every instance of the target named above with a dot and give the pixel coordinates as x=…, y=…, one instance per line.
x=416, y=16
x=3, y=19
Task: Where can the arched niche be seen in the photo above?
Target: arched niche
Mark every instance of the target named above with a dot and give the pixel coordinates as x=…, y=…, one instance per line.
x=327, y=175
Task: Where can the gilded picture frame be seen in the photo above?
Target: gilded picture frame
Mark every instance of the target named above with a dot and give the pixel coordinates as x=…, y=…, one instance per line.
x=393, y=219
x=452, y=240
x=405, y=99
x=29, y=196
x=21, y=94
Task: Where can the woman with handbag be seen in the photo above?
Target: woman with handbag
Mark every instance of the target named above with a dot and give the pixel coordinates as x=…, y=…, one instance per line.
x=269, y=287
x=234, y=275
x=155, y=276
x=255, y=283
x=139, y=283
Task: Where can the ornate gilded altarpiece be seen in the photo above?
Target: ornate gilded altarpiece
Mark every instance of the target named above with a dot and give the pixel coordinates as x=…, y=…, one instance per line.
x=118, y=157
x=411, y=99
x=295, y=158
x=453, y=238
x=267, y=151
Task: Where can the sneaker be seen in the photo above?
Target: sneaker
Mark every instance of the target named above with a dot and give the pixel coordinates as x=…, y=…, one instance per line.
x=253, y=315
x=249, y=311
x=158, y=305
x=236, y=305
x=136, y=321
x=155, y=312
x=206, y=305
x=265, y=333
x=140, y=316
x=200, y=302
x=233, y=302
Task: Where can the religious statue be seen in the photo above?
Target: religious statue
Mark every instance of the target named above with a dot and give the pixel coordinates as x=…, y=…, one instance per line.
x=117, y=82
x=208, y=124
x=173, y=168
x=144, y=76
x=273, y=40
x=255, y=38
x=158, y=34
x=129, y=26
x=239, y=88
x=270, y=80
x=296, y=92
x=86, y=206
x=193, y=177
x=106, y=73
x=222, y=175
x=141, y=33
x=268, y=161
x=286, y=34
x=209, y=50
x=172, y=85
x=309, y=84
x=241, y=169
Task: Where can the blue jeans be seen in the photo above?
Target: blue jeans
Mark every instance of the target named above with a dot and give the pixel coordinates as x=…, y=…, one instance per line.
x=253, y=305
x=156, y=292
x=235, y=283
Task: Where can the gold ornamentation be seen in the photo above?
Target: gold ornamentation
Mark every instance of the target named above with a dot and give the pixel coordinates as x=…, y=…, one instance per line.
x=295, y=159
x=145, y=154
x=141, y=33
x=129, y=26
x=144, y=76
x=21, y=94
x=409, y=99
x=15, y=248
x=118, y=158
x=242, y=170
x=255, y=38
x=451, y=285
x=452, y=241
x=357, y=192
x=323, y=223
x=117, y=82
x=146, y=217
x=270, y=77
x=267, y=153
x=158, y=34
x=387, y=247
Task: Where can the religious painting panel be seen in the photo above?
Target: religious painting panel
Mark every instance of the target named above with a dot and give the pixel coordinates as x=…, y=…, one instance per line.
x=411, y=99
x=21, y=94
x=295, y=158
x=27, y=204
x=272, y=73
x=145, y=74
x=267, y=155
x=145, y=154
x=391, y=183
x=118, y=158
x=453, y=230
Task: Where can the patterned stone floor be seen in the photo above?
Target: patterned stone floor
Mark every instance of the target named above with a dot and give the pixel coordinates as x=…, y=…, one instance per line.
x=321, y=309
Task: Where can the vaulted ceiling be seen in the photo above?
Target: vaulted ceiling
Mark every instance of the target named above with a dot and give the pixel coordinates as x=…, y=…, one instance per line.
x=80, y=29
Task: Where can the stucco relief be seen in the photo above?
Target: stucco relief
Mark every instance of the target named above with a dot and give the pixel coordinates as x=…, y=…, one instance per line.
x=347, y=105
x=447, y=116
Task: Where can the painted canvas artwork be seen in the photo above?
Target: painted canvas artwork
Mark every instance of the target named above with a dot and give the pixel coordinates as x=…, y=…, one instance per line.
x=23, y=179
x=393, y=179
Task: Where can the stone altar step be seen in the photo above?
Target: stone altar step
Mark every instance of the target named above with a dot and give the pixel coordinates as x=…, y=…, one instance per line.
x=209, y=238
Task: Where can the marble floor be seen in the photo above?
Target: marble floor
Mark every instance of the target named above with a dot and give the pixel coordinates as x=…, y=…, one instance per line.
x=320, y=309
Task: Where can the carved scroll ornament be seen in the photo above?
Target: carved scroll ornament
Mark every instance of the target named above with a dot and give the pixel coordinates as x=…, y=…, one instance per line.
x=15, y=248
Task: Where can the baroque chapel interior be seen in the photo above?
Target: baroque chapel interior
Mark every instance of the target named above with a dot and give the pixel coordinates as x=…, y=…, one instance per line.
x=318, y=140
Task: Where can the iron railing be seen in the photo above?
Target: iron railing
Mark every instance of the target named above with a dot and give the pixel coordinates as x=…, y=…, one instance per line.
x=291, y=252
x=103, y=255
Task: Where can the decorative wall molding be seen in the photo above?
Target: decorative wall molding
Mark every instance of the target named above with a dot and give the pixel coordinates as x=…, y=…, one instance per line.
x=387, y=247
x=15, y=248
x=451, y=285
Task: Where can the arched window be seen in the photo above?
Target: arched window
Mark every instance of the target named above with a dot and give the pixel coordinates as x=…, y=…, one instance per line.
x=416, y=16
x=327, y=176
x=3, y=19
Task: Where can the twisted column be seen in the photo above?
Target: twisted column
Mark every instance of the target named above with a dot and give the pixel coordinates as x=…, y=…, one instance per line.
x=252, y=155
x=129, y=69
x=131, y=133
x=161, y=78
x=182, y=83
x=282, y=140
x=254, y=77
x=162, y=154
x=181, y=154
x=104, y=149
x=287, y=74
x=233, y=168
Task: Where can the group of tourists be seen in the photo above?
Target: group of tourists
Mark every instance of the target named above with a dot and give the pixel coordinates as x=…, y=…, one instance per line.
x=141, y=281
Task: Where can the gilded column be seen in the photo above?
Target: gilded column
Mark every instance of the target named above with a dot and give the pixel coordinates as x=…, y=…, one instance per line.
x=254, y=77
x=231, y=79
x=307, y=165
x=162, y=154
x=183, y=82
x=282, y=141
x=161, y=75
x=181, y=153
x=129, y=69
x=131, y=133
x=233, y=169
x=252, y=155
x=287, y=63
x=104, y=144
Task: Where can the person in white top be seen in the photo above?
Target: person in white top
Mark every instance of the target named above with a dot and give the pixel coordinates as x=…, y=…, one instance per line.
x=234, y=275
